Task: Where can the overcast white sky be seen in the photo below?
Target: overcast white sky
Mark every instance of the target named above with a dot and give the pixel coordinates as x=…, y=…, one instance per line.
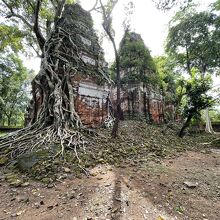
x=146, y=20
x=151, y=23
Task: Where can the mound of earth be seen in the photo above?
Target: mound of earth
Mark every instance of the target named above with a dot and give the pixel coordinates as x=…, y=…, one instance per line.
x=137, y=142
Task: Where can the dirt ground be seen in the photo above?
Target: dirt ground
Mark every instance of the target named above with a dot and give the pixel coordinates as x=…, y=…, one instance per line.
x=184, y=187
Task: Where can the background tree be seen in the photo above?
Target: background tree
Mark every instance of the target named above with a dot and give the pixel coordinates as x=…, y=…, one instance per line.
x=216, y=5
x=11, y=39
x=14, y=77
x=214, y=115
x=168, y=4
x=197, y=98
x=106, y=11
x=194, y=42
x=35, y=19
x=14, y=92
x=172, y=85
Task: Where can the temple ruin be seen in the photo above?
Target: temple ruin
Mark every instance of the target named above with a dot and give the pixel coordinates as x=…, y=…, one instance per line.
x=141, y=98
x=80, y=50
x=89, y=74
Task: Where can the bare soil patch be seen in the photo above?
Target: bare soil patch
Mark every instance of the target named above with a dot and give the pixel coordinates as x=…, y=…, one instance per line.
x=148, y=190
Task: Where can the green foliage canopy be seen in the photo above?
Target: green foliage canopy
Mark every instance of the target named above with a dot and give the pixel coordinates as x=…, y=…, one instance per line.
x=136, y=61
x=194, y=40
x=168, y=4
x=168, y=77
x=13, y=89
x=172, y=83
x=197, y=98
x=29, y=19
x=10, y=37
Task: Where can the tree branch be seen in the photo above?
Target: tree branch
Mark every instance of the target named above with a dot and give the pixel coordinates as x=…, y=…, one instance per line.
x=13, y=14
x=94, y=7
x=59, y=10
x=40, y=38
x=107, y=22
x=164, y=4
x=30, y=3
x=36, y=51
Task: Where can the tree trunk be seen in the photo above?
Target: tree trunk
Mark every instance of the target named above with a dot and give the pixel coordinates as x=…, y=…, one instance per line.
x=8, y=118
x=148, y=111
x=132, y=104
x=208, y=127
x=185, y=125
x=208, y=122
x=145, y=103
x=9, y=121
x=129, y=108
x=118, y=102
x=107, y=25
x=39, y=36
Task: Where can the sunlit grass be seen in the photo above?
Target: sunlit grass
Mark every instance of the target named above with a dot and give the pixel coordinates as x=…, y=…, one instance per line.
x=3, y=133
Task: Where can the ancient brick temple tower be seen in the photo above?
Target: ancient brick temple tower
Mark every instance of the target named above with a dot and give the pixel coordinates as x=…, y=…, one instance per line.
x=90, y=80
x=140, y=98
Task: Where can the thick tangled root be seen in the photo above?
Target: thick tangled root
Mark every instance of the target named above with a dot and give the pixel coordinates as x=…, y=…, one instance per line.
x=28, y=139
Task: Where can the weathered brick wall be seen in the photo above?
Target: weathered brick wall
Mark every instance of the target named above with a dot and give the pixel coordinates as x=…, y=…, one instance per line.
x=139, y=103
x=156, y=109
x=91, y=100
x=92, y=111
